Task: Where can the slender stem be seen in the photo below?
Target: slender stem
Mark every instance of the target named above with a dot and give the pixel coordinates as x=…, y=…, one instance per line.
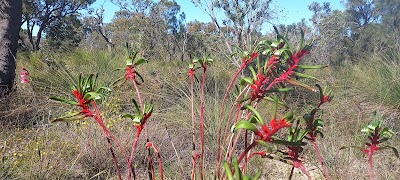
x=193, y=176
x=139, y=130
x=159, y=159
x=321, y=159
x=371, y=167
x=114, y=158
x=228, y=89
x=193, y=124
x=149, y=161
x=137, y=92
x=235, y=141
x=245, y=145
x=291, y=173
x=202, y=122
x=299, y=165
x=107, y=132
x=246, y=151
x=160, y=165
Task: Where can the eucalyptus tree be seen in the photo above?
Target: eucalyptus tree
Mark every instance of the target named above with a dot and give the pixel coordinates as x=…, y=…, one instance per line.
x=41, y=14
x=241, y=18
x=10, y=19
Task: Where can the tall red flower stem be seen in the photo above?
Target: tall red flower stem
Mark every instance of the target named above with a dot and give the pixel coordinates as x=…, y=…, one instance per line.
x=245, y=63
x=194, y=154
x=236, y=106
x=139, y=130
x=313, y=135
x=202, y=99
x=370, y=151
x=321, y=159
x=148, y=145
x=107, y=133
x=131, y=74
x=114, y=158
x=246, y=151
x=371, y=167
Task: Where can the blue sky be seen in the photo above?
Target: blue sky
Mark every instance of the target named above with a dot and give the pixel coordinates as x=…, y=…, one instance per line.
x=291, y=10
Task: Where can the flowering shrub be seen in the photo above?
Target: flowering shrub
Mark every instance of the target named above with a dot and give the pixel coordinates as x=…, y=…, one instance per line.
x=278, y=70
x=376, y=134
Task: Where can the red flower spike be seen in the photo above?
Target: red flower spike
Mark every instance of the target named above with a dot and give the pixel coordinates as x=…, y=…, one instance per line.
x=275, y=127
x=149, y=145
x=130, y=72
x=257, y=87
x=24, y=76
x=265, y=128
x=273, y=123
x=272, y=61
x=191, y=72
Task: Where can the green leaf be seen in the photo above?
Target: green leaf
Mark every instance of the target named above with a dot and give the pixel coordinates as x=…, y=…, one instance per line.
x=128, y=116
x=245, y=80
x=253, y=72
x=140, y=61
x=118, y=69
x=103, y=89
x=140, y=76
x=244, y=99
x=289, y=116
x=129, y=62
x=149, y=108
x=311, y=67
x=301, y=135
x=288, y=143
x=386, y=132
x=270, y=148
x=306, y=76
x=238, y=172
x=136, y=105
x=64, y=101
x=137, y=119
x=279, y=90
x=256, y=114
x=301, y=40
x=245, y=125
x=253, y=119
x=275, y=107
x=228, y=171
x=287, y=53
x=119, y=81
x=319, y=123
x=257, y=176
x=93, y=96
x=275, y=44
x=69, y=117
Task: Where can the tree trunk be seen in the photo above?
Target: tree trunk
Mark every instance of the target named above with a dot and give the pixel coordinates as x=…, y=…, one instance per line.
x=10, y=24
